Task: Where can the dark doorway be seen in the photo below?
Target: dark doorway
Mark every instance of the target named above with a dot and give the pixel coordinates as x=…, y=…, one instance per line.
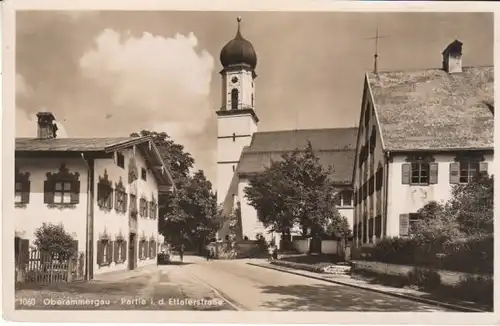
x=315, y=245
x=132, y=259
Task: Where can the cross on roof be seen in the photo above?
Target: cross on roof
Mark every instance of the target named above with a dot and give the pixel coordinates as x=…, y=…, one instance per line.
x=375, y=56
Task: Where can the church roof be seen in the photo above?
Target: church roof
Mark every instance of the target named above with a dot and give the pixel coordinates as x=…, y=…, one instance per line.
x=334, y=147
x=432, y=109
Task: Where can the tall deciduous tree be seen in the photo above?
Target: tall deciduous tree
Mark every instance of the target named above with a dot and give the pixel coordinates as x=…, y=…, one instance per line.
x=191, y=214
x=295, y=190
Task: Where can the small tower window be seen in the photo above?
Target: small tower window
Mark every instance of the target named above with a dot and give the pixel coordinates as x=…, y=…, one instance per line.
x=234, y=137
x=234, y=99
x=233, y=170
x=252, y=100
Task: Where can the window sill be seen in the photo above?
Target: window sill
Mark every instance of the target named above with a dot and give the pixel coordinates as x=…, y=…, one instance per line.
x=419, y=184
x=104, y=264
x=61, y=206
x=20, y=205
x=104, y=208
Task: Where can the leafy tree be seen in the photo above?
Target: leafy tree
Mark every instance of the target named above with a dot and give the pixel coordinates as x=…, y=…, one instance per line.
x=294, y=190
x=471, y=205
x=191, y=214
x=469, y=213
x=178, y=161
x=54, y=241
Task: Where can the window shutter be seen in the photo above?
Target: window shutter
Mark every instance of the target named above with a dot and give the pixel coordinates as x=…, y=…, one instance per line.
x=75, y=192
x=25, y=196
x=48, y=192
x=124, y=251
x=154, y=249
x=146, y=244
x=125, y=202
x=110, y=251
x=454, y=173
x=115, y=251
x=433, y=173
x=483, y=167
x=404, y=224
x=99, y=252
x=405, y=173
x=146, y=209
x=110, y=198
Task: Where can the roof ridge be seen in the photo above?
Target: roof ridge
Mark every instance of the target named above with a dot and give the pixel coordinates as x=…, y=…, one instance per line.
x=308, y=129
x=371, y=73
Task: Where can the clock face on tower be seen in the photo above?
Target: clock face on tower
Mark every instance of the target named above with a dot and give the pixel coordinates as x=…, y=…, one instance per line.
x=234, y=80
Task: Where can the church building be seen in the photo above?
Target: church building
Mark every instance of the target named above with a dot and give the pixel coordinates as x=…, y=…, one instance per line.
x=243, y=151
x=420, y=133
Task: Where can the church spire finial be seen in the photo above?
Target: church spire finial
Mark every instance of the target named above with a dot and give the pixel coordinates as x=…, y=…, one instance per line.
x=238, y=19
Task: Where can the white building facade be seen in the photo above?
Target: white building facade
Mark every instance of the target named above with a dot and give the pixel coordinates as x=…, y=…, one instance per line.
x=420, y=133
x=103, y=191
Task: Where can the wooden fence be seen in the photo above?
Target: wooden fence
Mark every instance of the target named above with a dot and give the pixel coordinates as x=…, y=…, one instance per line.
x=37, y=267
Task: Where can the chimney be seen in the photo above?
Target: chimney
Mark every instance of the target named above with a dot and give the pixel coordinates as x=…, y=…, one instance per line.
x=46, y=126
x=452, y=57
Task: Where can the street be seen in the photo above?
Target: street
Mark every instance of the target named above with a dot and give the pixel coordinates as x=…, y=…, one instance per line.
x=213, y=285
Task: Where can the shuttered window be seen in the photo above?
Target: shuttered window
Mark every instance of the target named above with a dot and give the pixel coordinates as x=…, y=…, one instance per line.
x=104, y=195
x=104, y=252
x=120, y=251
x=61, y=192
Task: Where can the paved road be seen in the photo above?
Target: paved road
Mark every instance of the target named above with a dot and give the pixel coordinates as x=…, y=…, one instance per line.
x=150, y=288
x=255, y=288
x=209, y=285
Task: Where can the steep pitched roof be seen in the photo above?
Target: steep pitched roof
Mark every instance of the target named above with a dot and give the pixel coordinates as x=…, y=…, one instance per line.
x=431, y=109
x=334, y=147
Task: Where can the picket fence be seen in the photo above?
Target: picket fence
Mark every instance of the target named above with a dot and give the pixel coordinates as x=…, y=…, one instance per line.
x=42, y=268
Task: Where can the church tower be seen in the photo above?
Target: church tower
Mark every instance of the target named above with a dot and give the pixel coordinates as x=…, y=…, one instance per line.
x=236, y=119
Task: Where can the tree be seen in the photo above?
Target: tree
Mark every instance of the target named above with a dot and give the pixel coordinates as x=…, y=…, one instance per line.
x=53, y=241
x=471, y=205
x=468, y=214
x=191, y=213
x=177, y=160
x=294, y=190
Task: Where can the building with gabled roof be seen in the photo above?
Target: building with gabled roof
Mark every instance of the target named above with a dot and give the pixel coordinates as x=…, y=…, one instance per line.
x=103, y=191
x=420, y=132
x=243, y=151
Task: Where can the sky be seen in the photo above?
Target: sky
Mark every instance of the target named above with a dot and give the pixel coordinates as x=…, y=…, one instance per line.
x=113, y=73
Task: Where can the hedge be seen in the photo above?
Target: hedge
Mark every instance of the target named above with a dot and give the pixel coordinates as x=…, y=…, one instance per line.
x=471, y=256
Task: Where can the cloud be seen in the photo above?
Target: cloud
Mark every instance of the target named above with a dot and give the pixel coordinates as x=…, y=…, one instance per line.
x=156, y=83
x=26, y=123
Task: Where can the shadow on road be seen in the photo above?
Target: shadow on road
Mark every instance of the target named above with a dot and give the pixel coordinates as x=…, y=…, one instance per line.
x=176, y=263
x=335, y=298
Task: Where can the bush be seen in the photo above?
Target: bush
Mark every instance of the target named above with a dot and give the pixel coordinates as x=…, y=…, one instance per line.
x=424, y=278
x=477, y=289
x=474, y=255
x=394, y=250
x=54, y=241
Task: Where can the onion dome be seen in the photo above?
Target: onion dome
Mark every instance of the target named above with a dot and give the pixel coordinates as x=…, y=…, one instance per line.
x=238, y=51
